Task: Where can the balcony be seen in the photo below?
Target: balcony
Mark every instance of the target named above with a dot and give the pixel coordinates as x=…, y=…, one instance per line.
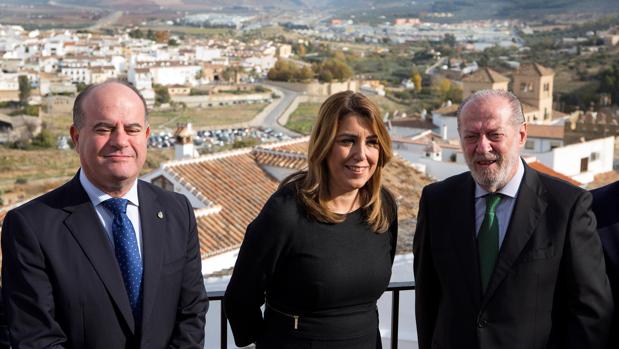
x=396, y=307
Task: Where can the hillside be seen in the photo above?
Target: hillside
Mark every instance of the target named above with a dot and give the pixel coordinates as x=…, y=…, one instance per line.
x=461, y=9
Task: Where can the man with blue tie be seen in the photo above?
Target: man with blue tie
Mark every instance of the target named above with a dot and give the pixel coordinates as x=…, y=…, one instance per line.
x=106, y=260
x=507, y=257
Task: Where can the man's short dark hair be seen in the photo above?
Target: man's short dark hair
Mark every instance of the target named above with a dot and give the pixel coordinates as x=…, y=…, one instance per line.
x=78, y=108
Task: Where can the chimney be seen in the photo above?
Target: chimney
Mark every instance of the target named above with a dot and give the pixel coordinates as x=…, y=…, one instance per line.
x=183, y=146
x=444, y=132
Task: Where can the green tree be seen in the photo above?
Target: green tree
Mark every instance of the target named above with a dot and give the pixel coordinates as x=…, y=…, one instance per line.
x=325, y=76
x=24, y=89
x=334, y=69
x=609, y=82
x=305, y=73
x=230, y=74
x=162, y=95
x=136, y=34
x=45, y=139
x=81, y=86
x=281, y=71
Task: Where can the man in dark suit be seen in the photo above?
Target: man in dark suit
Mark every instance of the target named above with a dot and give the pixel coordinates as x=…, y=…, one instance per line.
x=606, y=209
x=106, y=260
x=506, y=257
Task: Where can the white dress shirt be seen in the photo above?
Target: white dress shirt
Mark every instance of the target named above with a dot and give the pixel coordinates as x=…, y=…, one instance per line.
x=106, y=217
x=505, y=208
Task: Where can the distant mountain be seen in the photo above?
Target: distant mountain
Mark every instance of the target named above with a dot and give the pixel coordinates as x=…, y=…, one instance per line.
x=460, y=8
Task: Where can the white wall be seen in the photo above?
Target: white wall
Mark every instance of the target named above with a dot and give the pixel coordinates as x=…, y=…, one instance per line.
x=175, y=75
x=541, y=145
x=450, y=121
x=567, y=159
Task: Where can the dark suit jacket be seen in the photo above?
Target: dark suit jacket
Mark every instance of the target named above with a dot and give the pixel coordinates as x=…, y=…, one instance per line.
x=63, y=287
x=606, y=209
x=548, y=289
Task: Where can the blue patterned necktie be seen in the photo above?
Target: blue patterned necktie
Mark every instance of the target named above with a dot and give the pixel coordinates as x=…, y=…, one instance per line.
x=127, y=253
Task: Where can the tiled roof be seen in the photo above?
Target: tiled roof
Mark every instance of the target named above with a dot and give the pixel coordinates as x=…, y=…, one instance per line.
x=486, y=75
x=448, y=110
x=538, y=166
x=534, y=69
x=603, y=179
x=298, y=145
x=528, y=108
x=545, y=131
x=424, y=139
x=413, y=123
x=236, y=184
x=280, y=158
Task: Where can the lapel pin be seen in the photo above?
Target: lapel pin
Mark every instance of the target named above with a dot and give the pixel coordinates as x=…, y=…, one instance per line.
x=160, y=215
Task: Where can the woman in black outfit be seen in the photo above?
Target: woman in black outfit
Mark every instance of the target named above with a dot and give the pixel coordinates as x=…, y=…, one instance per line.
x=319, y=254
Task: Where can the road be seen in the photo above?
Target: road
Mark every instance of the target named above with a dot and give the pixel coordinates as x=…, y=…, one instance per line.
x=440, y=62
x=271, y=118
x=104, y=22
x=107, y=21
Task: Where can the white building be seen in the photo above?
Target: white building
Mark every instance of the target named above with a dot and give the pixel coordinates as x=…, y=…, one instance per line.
x=446, y=121
x=581, y=161
x=168, y=73
x=9, y=81
x=207, y=54
x=141, y=78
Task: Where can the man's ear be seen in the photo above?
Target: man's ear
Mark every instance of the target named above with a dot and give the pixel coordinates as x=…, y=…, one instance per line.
x=522, y=133
x=75, y=135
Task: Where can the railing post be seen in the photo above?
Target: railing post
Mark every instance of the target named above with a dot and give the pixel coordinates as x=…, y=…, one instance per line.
x=395, y=317
x=223, y=327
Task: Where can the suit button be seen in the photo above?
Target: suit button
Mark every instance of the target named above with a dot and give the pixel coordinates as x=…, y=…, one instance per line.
x=482, y=323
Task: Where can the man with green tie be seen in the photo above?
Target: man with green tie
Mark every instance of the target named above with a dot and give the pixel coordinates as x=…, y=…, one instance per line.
x=505, y=256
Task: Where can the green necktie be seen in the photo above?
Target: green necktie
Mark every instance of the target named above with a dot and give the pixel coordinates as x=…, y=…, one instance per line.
x=488, y=239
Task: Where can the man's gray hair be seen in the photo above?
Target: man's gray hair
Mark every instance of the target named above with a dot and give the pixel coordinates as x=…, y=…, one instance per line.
x=517, y=116
x=78, y=108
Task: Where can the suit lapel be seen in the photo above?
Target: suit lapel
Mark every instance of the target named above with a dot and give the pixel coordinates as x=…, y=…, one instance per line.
x=464, y=237
x=83, y=223
x=530, y=206
x=153, y=220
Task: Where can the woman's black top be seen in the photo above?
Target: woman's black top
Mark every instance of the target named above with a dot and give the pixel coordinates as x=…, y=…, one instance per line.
x=320, y=281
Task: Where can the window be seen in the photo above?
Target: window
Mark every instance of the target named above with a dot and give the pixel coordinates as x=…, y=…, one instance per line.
x=523, y=87
x=555, y=144
x=529, y=145
x=584, y=164
x=595, y=156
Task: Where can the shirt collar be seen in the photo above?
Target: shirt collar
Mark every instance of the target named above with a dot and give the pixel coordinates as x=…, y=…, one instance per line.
x=97, y=196
x=510, y=189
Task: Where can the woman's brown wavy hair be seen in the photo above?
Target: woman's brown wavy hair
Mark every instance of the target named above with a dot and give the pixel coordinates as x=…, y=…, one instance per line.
x=313, y=184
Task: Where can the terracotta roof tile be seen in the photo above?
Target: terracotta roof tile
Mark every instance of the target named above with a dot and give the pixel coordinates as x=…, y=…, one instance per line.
x=413, y=123
x=546, y=131
x=534, y=69
x=239, y=187
x=603, y=179
x=486, y=75
x=234, y=182
x=538, y=166
x=448, y=110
